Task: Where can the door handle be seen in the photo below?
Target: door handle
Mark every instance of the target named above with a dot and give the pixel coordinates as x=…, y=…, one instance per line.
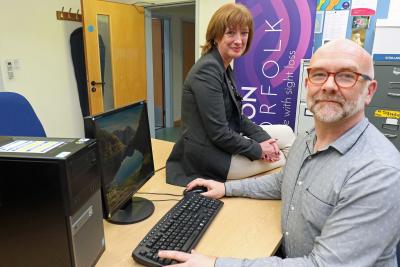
x=394, y=85
x=93, y=83
x=393, y=94
x=390, y=135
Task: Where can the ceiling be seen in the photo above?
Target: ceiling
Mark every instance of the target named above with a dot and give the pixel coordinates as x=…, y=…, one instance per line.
x=149, y=3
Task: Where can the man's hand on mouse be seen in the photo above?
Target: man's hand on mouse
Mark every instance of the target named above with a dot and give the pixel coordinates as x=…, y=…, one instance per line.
x=214, y=189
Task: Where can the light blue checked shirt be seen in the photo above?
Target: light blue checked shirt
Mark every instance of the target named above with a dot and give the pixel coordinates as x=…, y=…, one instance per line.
x=340, y=206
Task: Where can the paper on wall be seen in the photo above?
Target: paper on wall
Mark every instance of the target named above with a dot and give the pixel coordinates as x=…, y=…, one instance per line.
x=335, y=25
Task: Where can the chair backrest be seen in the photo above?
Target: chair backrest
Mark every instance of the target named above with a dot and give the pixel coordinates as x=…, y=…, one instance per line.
x=17, y=117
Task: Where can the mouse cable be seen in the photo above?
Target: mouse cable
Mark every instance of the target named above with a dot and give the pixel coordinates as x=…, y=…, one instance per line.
x=162, y=194
x=171, y=199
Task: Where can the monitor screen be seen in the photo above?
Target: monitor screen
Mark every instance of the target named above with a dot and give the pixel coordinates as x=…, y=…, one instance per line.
x=126, y=160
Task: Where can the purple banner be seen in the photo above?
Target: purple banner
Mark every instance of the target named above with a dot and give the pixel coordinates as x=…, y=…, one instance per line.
x=268, y=75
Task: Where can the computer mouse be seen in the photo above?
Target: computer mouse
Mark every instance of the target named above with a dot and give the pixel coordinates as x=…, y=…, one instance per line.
x=196, y=189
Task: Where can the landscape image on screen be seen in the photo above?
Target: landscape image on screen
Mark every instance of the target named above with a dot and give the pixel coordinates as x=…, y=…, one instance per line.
x=125, y=153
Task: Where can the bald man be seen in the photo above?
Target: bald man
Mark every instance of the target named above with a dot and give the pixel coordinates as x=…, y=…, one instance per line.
x=340, y=188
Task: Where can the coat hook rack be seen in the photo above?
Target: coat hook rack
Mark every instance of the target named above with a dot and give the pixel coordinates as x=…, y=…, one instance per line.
x=62, y=15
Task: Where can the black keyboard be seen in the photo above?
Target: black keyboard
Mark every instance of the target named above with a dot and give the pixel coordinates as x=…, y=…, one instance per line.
x=180, y=229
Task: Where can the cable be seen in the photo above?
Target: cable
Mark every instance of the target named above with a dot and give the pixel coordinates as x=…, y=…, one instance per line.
x=159, y=169
x=171, y=199
x=161, y=194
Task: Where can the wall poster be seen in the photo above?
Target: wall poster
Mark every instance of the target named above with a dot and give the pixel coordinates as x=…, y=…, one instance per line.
x=268, y=75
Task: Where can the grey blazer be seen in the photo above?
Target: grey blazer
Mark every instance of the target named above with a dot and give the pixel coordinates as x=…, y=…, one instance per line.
x=213, y=125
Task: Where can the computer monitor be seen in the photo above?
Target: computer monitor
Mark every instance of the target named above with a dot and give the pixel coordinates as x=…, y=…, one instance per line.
x=126, y=160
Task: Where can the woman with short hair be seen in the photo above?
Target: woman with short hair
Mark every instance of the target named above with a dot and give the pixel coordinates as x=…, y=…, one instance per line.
x=215, y=132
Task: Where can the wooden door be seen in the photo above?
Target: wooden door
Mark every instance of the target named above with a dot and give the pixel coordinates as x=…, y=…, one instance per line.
x=188, y=47
x=114, y=36
x=158, y=81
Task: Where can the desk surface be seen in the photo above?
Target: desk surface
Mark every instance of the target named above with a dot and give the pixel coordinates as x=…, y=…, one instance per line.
x=161, y=151
x=243, y=228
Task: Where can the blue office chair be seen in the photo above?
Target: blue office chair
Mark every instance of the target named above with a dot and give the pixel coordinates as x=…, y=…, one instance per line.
x=17, y=117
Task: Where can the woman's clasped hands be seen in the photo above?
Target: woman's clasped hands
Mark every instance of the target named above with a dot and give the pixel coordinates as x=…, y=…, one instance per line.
x=270, y=150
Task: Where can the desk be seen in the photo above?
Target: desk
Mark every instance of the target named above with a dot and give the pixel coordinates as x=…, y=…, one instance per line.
x=243, y=228
x=161, y=151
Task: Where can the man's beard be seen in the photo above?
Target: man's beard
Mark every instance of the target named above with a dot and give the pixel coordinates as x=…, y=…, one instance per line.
x=333, y=112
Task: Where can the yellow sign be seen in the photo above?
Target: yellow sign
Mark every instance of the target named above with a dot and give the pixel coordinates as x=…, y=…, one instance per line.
x=394, y=114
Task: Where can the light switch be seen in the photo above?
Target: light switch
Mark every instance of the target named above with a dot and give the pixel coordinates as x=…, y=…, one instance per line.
x=10, y=69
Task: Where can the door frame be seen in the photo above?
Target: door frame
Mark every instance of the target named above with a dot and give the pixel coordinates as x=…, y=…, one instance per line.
x=166, y=70
x=169, y=121
x=149, y=70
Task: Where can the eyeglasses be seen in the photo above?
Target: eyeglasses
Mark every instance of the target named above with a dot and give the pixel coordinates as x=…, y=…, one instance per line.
x=343, y=79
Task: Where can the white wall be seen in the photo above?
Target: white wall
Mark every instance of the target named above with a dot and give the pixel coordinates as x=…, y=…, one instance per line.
x=387, y=32
x=204, y=11
x=31, y=34
x=1, y=77
x=393, y=16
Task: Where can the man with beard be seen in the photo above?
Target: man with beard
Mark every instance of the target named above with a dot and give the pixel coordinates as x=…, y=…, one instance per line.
x=340, y=188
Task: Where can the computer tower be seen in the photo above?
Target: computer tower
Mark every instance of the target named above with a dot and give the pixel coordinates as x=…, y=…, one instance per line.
x=50, y=202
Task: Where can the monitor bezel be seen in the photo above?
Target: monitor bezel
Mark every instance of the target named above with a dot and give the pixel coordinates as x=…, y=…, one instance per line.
x=107, y=212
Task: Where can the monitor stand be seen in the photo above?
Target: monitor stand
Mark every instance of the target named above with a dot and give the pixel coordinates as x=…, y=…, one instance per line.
x=133, y=211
